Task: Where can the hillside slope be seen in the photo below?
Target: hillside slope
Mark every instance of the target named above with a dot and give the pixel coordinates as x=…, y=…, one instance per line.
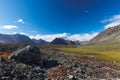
x=40, y=41
x=60, y=41
x=15, y=39
x=109, y=35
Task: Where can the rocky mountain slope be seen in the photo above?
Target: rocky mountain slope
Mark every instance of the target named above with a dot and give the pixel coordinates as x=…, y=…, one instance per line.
x=60, y=41
x=40, y=41
x=15, y=39
x=111, y=34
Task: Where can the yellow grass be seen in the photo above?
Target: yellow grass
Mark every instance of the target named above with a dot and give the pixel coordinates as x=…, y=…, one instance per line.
x=110, y=52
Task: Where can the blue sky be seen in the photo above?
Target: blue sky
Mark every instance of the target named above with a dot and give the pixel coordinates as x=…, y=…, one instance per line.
x=48, y=19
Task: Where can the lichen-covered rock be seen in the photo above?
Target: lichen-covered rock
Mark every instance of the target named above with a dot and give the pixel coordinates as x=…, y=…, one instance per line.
x=29, y=54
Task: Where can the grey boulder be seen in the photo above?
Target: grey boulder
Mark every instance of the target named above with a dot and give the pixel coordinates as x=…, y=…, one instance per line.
x=29, y=54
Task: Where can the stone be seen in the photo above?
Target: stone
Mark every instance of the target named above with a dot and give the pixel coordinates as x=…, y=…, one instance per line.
x=1, y=59
x=29, y=54
x=70, y=76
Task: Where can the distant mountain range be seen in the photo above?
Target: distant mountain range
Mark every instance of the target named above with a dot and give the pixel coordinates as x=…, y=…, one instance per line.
x=15, y=39
x=19, y=39
x=61, y=41
x=40, y=41
x=111, y=34
x=23, y=39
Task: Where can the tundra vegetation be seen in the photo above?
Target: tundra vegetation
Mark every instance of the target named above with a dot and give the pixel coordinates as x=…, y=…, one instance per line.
x=59, y=62
x=109, y=52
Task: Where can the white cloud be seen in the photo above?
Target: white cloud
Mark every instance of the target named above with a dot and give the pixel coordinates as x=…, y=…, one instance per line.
x=49, y=37
x=82, y=37
x=73, y=37
x=22, y=33
x=20, y=21
x=14, y=32
x=9, y=27
x=112, y=24
x=112, y=21
x=112, y=18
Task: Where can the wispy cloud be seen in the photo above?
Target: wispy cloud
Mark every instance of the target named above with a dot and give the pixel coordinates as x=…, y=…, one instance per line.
x=112, y=21
x=112, y=24
x=9, y=27
x=20, y=33
x=68, y=36
x=49, y=37
x=82, y=37
x=20, y=21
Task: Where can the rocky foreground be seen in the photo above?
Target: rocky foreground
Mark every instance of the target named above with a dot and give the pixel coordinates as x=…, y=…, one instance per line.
x=54, y=65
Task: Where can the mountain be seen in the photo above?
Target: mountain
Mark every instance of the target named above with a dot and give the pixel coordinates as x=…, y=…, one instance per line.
x=111, y=34
x=15, y=39
x=60, y=41
x=76, y=42
x=40, y=41
x=80, y=42
x=5, y=39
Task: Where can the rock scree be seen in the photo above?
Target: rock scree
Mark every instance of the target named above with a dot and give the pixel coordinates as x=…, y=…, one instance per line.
x=29, y=54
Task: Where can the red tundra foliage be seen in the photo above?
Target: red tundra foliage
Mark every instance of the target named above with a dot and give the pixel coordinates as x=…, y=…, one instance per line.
x=5, y=54
x=57, y=72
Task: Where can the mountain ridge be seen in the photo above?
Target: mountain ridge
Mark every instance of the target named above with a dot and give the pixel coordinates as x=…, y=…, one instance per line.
x=23, y=39
x=40, y=41
x=61, y=41
x=111, y=34
x=15, y=39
